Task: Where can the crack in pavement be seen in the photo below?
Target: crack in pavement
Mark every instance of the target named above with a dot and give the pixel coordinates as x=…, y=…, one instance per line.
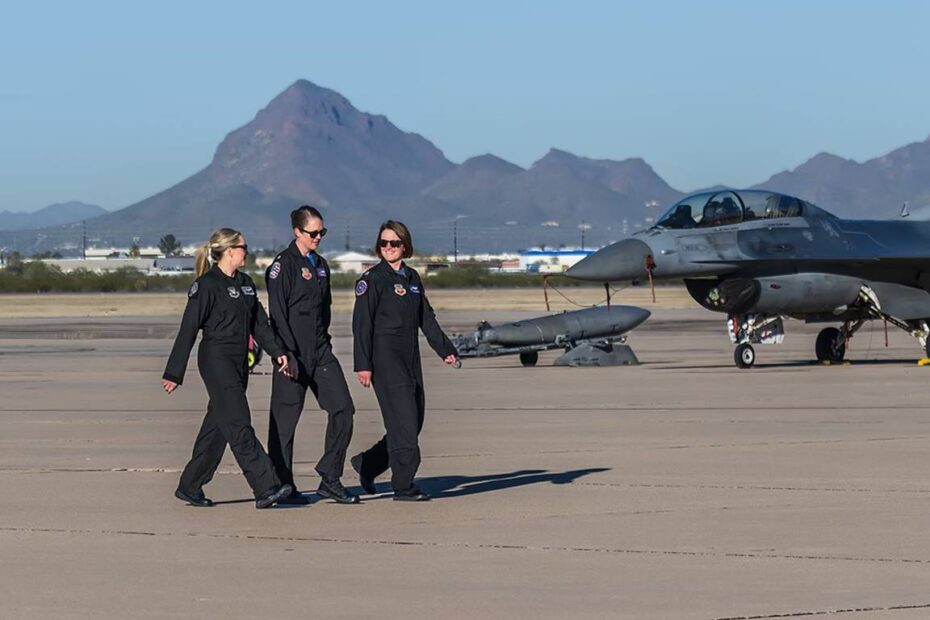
x=827, y=612
x=474, y=546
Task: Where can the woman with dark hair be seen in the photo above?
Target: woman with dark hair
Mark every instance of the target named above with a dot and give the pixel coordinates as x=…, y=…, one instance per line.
x=299, y=301
x=390, y=308
x=223, y=303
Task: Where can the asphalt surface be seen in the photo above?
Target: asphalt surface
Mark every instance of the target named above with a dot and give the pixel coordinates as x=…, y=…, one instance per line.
x=681, y=488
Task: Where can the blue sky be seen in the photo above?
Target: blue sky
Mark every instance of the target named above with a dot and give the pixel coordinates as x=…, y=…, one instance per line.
x=111, y=102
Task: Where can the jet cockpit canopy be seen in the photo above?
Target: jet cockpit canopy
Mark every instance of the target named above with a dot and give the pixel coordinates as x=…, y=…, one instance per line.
x=720, y=208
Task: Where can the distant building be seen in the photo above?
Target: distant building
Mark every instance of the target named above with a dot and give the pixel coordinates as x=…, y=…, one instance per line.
x=351, y=262
x=148, y=265
x=550, y=261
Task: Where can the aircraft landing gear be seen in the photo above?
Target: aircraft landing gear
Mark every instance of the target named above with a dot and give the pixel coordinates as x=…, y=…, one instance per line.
x=529, y=359
x=831, y=345
x=744, y=355
x=750, y=329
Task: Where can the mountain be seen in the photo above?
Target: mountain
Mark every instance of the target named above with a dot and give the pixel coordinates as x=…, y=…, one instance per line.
x=560, y=187
x=52, y=215
x=873, y=189
x=311, y=145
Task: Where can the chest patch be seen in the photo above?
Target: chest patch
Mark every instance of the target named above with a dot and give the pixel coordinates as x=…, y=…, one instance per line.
x=414, y=289
x=233, y=292
x=361, y=287
x=321, y=272
x=305, y=273
x=400, y=290
x=275, y=270
x=248, y=290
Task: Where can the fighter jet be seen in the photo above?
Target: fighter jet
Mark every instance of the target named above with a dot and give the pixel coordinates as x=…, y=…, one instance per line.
x=760, y=256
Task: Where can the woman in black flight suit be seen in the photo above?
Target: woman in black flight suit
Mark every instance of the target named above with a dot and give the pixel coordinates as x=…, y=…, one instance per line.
x=299, y=301
x=222, y=301
x=390, y=308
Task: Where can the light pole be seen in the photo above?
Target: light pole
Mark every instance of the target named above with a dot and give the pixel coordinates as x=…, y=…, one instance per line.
x=455, y=238
x=583, y=226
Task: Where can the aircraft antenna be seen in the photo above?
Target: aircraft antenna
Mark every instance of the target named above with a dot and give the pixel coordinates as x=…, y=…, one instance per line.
x=904, y=211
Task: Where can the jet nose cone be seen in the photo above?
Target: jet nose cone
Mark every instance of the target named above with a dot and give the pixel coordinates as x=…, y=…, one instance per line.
x=624, y=260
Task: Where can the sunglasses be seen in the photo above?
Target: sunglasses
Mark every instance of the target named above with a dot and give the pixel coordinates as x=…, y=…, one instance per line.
x=243, y=246
x=315, y=233
x=394, y=243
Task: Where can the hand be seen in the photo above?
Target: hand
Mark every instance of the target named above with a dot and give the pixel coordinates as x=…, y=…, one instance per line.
x=284, y=367
x=451, y=360
x=169, y=386
x=364, y=377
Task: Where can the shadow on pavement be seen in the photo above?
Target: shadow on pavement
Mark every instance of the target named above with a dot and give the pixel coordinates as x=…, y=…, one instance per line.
x=441, y=487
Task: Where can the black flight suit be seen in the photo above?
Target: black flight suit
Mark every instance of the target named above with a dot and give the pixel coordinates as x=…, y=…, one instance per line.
x=390, y=308
x=228, y=311
x=299, y=301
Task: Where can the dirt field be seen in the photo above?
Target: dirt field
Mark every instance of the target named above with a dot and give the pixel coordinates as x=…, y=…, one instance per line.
x=96, y=305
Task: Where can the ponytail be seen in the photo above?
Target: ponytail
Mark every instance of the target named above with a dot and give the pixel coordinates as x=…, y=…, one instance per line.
x=211, y=251
x=202, y=261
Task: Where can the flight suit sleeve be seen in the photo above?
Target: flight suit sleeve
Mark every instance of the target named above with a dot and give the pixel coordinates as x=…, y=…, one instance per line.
x=199, y=302
x=264, y=334
x=279, y=280
x=363, y=322
x=436, y=338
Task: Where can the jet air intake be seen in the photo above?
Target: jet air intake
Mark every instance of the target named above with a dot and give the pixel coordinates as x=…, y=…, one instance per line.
x=800, y=293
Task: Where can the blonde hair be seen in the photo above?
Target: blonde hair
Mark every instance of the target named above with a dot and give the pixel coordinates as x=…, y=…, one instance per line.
x=211, y=251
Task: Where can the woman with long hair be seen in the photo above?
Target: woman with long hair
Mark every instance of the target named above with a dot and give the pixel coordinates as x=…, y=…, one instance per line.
x=390, y=308
x=223, y=303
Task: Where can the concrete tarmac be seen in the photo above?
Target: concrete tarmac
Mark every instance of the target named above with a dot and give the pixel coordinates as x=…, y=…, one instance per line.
x=681, y=488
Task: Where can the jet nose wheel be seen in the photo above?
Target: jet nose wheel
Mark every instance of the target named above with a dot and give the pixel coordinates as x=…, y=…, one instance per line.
x=744, y=355
x=831, y=345
x=529, y=359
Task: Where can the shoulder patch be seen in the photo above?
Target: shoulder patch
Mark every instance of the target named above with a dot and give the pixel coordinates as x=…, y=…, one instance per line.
x=361, y=287
x=275, y=270
x=193, y=290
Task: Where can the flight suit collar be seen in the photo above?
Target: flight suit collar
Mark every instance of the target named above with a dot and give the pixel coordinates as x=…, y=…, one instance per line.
x=293, y=249
x=386, y=268
x=216, y=270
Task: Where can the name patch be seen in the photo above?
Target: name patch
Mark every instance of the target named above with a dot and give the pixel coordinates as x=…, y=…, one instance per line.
x=321, y=272
x=414, y=289
x=248, y=290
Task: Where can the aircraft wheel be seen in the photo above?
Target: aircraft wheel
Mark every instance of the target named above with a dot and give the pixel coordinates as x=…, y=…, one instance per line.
x=529, y=359
x=744, y=355
x=831, y=345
